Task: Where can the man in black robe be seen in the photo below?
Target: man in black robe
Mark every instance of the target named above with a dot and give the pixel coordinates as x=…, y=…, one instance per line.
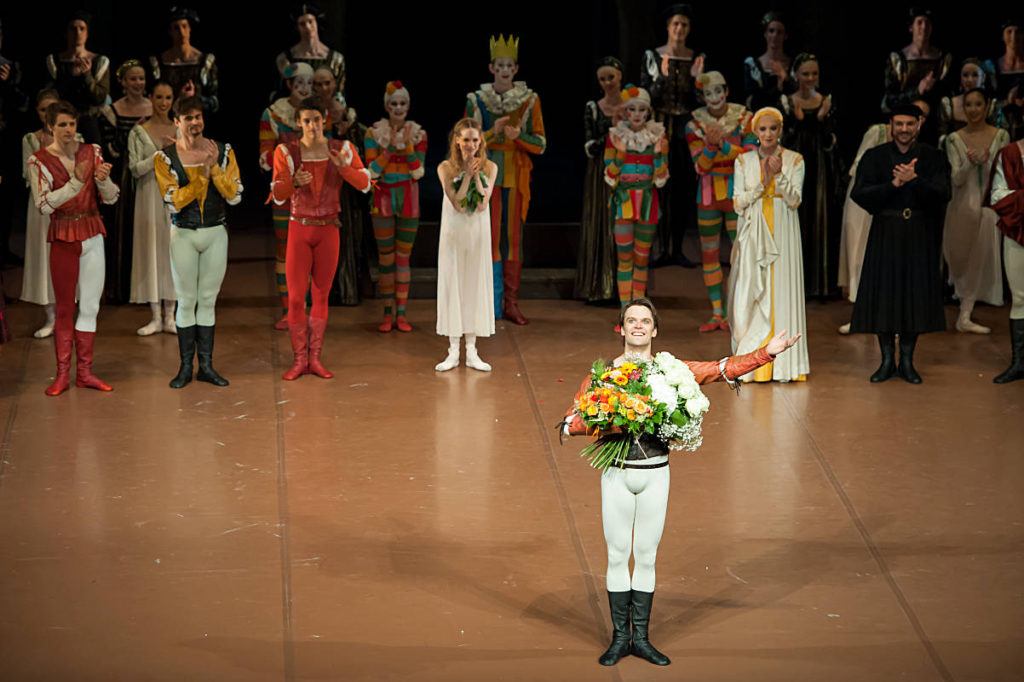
x=905, y=185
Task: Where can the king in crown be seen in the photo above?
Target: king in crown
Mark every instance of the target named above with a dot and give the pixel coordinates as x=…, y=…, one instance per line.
x=509, y=113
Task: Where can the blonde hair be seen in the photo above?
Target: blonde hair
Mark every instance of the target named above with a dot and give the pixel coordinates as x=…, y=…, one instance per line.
x=455, y=153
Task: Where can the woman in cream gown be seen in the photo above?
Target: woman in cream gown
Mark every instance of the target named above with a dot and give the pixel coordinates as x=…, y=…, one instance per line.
x=767, y=282
x=971, y=242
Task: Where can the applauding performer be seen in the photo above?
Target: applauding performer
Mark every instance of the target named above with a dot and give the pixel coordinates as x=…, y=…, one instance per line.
x=905, y=186
x=66, y=176
x=509, y=113
x=185, y=172
x=309, y=173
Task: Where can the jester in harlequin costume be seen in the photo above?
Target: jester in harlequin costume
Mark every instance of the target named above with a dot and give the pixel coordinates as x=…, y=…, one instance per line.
x=308, y=178
x=395, y=151
x=635, y=165
x=509, y=113
x=279, y=126
x=717, y=134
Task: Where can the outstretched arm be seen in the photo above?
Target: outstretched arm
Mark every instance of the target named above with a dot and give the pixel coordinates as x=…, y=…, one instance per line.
x=733, y=367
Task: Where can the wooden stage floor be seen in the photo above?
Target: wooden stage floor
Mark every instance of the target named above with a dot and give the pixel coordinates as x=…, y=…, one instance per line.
x=397, y=524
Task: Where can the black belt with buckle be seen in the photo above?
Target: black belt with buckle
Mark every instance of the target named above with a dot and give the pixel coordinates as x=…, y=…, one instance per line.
x=905, y=213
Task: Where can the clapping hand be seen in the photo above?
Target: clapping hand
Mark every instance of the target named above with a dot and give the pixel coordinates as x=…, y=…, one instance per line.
x=713, y=136
x=617, y=142
x=904, y=173
x=303, y=177
x=698, y=67
x=5, y=71
x=500, y=124
x=81, y=64
x=798, y=112
x=826, y=106
x=188, y=90
x=337, y=158
x=771, y=165
x=661, y=146
x=102, y=172
x=927, y=83
x=512, y=132
x=780, y=343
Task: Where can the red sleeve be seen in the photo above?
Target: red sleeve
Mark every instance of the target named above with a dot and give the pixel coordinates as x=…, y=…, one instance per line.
x=281, y=187
x=735, y=366
x=576, y=425
x=355, y=173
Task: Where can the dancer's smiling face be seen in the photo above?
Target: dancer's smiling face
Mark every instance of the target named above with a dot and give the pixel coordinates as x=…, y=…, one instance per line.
x=638, y=328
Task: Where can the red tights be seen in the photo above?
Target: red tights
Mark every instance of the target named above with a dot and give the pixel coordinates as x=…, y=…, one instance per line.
x=312, y=251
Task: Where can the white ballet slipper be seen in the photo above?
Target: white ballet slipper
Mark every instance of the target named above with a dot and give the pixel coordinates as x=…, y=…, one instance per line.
x=473, y=360
x=450, y=362
x=844, y=329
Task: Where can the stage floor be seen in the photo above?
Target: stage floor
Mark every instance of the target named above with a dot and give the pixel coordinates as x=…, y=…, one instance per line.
x=398, y=524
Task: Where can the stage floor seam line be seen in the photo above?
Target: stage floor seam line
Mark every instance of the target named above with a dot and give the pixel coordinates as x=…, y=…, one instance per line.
x=288, y=623
x=873, y=550
x=12, y=415
x=563, y=498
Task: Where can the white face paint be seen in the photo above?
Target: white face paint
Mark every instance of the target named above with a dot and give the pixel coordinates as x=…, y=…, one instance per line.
x=714, y=96
x=302, y=86
x=637, y=113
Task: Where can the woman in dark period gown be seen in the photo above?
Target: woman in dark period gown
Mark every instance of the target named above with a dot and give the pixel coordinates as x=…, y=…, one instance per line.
x=767, y=78
x=595, y=259
x=1008, y=79
x=306, y=19
x=80, y=76
x=116, y=121
x=667, y=76
x=187, y=69
x=917, y=71
x=811, y=130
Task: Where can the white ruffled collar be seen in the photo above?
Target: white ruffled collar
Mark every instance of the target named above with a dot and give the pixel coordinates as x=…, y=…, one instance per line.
x=639, y=140
x=411, y=132
x=733, y=116
x=506, y=102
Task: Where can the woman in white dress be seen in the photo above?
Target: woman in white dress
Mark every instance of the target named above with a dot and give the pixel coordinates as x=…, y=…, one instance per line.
x=151, y=280
x=36, y=286
x=970, y=239
x=767, y=282
x=465, y=283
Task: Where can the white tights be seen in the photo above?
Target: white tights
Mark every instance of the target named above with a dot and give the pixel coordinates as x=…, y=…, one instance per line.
x=91, y=273
x=633, y=507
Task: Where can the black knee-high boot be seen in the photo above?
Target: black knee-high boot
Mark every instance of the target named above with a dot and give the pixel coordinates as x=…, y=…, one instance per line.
x=887, y=344
x=187, y=352
x=1016, y=369
x=204, y=350
x=642, y=647
x=907, y=371
x=618, y=604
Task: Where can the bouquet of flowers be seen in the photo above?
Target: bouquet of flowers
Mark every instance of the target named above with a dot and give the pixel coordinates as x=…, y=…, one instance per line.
x=473, y=196
x=658, y=397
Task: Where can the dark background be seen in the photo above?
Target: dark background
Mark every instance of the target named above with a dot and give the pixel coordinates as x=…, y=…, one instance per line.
x=440, y=52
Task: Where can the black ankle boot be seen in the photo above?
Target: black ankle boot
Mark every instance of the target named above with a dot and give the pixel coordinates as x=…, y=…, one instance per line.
x=907, y=371
x=1016, y=369
x=641, y=616
x=887, y=344
x=187, y=350
x=204, y=349
x=618, y=604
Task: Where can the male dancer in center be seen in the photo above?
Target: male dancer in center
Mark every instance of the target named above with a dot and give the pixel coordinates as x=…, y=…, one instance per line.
x=198, y=178
x=634, y=496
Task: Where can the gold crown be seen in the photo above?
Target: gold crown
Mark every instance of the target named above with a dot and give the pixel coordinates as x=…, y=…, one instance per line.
x=503, y=48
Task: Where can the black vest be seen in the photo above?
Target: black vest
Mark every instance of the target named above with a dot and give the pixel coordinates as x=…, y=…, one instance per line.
x=213, y=212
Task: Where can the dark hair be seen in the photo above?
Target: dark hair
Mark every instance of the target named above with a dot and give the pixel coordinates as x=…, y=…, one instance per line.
x=186, y=104
x=771, y=16
x=679, y=8
x=59, y=107
x=906, y=110
x=79, y=15
x=161, y=82
x=613, y=62
x=311, y=103
x=186, y=13
x=981, y=91
x=916, y=12
x=643, y=302
x=47, y=93
x=802, y=59
x=304, y=8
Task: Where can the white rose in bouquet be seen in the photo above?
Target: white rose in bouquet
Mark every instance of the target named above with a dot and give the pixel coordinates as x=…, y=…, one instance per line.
x=698, y=404
x=662, y=392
